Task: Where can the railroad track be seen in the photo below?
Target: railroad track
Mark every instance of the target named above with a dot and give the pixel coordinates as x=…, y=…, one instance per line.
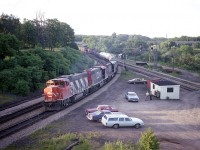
x=16, y=103
x=191, y=86
x=15, y=120
x=17, y=126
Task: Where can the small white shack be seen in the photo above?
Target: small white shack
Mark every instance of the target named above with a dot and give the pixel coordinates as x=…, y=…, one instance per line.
x=165, y=89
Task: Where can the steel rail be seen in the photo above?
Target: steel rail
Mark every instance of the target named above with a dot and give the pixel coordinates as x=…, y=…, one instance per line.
x=28, y=122
x=183, y=83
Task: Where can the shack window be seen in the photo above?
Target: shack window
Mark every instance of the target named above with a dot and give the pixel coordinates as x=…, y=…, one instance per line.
x=170, y=90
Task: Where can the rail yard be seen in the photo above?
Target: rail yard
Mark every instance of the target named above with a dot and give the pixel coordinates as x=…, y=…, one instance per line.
x=176, y=123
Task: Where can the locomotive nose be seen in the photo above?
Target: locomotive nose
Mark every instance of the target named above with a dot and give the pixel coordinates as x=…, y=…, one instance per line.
x=49, y=94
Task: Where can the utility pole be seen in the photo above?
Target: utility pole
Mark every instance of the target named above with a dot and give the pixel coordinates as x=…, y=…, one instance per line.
x=155, y=55
x=173, y=48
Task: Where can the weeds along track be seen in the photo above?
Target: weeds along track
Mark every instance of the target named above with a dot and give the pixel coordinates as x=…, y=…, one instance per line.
x=188, y=85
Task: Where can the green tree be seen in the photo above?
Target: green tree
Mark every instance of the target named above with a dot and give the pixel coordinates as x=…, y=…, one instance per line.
x=28, y=33
x=10, y=24
x=6, y=78
x=59, y=34
x=186, y=49
x=52, y=30
x=66, y=35
x=27, y=59
x=21, y=87
x=197, y=62
x=9, y=45
x=148, y=141
x=91, y=41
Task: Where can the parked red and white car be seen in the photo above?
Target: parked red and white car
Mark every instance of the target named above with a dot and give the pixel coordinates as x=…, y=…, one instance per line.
x=101, y=107
x=97, y=115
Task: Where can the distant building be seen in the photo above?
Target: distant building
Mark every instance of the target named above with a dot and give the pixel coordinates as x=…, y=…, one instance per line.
x=164, y=89
x=178, y=43
x=82, y=47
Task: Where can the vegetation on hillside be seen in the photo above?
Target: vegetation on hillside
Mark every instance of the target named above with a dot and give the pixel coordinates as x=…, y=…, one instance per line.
x=25, y=64
x=27, y=71
x=42, y=139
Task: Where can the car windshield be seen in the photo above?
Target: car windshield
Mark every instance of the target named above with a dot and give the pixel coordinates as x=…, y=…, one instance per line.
x=131, y=94
x=134, y=79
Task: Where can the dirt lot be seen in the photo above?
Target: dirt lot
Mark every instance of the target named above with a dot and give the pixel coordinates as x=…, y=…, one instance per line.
x=175, y=122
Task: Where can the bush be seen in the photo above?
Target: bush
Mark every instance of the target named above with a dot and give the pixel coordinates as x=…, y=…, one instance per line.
x=148, y=141
x=22, y=88
x=119, y=145
x=62, y=142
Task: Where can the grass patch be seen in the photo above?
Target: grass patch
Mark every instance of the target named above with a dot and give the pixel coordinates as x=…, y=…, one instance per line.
x=57, y=49
x=174, y=74
x=64, y=141
x=118, y=145
x=43, y=139
x=56, y=143
x=126, y=75
x=5, y=99
x=42, y=133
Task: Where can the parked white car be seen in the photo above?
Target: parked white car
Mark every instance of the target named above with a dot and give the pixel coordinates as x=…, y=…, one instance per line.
x=121, y=120
x=131, y=96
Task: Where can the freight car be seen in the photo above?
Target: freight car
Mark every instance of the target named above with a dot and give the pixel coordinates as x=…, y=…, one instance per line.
x=62, y=91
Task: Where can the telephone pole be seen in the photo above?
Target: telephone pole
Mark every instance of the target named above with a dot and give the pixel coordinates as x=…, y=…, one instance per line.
x=155, y=55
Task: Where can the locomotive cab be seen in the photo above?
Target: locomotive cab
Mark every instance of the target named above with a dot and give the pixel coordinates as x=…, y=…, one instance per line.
x=56, y=90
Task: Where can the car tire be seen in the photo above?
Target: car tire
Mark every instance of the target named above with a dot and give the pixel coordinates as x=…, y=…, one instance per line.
x=137, y=126
x=115, y=126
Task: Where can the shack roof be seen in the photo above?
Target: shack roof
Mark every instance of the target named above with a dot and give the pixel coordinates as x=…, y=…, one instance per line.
x=164, y=82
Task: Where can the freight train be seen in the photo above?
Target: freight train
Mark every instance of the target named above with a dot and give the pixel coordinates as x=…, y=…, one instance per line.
x=64, y=90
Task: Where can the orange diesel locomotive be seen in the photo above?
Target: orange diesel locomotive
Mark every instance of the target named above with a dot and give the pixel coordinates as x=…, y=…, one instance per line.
x=64, y=90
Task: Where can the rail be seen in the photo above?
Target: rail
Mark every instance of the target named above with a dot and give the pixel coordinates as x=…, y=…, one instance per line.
x=183, y=83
